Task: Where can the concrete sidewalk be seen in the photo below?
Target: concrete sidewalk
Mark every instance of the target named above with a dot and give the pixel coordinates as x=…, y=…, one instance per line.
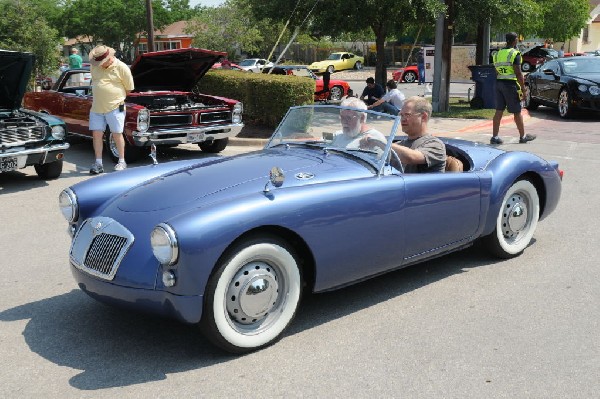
x=442, y=127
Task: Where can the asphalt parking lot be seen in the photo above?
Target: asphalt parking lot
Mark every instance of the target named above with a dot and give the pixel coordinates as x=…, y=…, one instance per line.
x=461, y=326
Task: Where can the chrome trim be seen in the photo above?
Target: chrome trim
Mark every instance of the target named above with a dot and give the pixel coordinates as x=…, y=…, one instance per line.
x=154, y=135
x=99, y=247
x=46, y=149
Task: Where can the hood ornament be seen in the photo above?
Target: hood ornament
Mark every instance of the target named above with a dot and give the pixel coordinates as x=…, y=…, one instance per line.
x=153, y=154
x=304, y=176
x=97, y=228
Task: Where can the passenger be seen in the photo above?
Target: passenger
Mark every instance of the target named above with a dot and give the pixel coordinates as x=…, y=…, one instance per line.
x=420, y=152
x=354, y=128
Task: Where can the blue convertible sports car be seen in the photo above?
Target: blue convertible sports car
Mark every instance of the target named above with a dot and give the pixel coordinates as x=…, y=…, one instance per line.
x=229, y=243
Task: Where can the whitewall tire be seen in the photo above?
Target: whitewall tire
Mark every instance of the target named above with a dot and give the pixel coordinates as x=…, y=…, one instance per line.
x=516, y=221
x=252, y=296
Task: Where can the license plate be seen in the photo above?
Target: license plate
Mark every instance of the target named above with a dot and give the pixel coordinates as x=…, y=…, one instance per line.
x=195, y=137
x=8, y=164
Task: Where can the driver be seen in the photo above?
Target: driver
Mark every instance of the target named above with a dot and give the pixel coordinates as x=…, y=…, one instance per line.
x=354, y=128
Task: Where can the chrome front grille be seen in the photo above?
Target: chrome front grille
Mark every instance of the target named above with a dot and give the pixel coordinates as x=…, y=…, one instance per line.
x=208, y=117
x=13, y=136
x=103, y=253
x=99, y=247
x=170, y=120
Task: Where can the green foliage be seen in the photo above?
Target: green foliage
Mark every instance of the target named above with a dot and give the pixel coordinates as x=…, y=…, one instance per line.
x=22, y=28
x=115, y=23
x=266, y=98
x=225, y=28
x=563, y=19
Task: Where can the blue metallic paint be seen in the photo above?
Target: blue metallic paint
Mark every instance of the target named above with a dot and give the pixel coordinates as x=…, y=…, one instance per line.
x=355, y=222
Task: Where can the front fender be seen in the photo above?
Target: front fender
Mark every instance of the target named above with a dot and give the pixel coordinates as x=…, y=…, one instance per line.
x=97, y=192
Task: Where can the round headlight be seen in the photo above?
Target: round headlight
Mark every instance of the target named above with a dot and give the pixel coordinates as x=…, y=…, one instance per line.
x=594, y=90
x=67, y=201
x=238, y=108
x=143, y=120
x=164, y=244
x=59, y=132
x=582, y=88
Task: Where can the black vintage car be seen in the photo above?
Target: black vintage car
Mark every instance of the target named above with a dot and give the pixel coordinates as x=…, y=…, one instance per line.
x=569, y=84
x=26, y=137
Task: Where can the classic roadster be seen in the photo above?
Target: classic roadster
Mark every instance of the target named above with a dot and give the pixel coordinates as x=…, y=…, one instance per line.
x=229, y=243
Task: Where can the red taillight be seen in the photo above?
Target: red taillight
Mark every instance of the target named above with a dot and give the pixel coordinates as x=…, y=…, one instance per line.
x=561, y=173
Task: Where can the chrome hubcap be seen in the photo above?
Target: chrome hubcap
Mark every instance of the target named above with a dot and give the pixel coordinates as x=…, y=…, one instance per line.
x=252, y=293
x=563, y=103
x=336, y=93
x=515, y=216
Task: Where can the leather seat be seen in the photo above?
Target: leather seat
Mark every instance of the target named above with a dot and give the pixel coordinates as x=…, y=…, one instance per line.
x=453, y=164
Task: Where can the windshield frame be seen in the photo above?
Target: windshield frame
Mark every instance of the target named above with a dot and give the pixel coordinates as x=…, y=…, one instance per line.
x=392, y=122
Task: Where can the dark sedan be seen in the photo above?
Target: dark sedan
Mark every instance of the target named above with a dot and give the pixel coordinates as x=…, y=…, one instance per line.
x=569, y=84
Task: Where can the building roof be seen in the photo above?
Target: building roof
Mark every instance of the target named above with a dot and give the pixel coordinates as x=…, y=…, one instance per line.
x=176, y=29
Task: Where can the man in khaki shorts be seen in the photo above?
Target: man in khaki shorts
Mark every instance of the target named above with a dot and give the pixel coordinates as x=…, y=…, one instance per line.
x=111, y=83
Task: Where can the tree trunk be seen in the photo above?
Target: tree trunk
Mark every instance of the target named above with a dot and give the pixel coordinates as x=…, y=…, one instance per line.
x=380, y=69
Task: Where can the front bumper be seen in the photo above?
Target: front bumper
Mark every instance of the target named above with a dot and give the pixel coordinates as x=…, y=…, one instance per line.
x=197, y=134
x=35, y=156
x=187, y=309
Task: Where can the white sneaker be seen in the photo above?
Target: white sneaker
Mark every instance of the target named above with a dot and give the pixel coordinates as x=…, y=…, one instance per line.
x=120, y=166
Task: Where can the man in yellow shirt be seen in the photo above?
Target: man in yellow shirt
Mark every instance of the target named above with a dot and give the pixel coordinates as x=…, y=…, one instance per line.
x=111, y=83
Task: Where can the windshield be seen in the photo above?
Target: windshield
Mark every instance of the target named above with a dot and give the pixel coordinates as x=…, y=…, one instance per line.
x=249, y=62
x=364, y=134
x=581, y=65
x=334, y=56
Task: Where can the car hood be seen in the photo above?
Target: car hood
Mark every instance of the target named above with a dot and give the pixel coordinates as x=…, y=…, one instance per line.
x=15, y=71
x=177, y=69
x=588, y=77
x=326, y=62
x=226, y=178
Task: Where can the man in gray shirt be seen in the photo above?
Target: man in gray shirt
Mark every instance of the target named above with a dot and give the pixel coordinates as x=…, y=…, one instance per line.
x=421, y=152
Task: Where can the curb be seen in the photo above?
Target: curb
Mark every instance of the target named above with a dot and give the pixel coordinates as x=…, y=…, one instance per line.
x=488, y=123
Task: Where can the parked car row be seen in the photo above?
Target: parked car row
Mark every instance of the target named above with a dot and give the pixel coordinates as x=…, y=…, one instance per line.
x=336, y=88
x=162, y=110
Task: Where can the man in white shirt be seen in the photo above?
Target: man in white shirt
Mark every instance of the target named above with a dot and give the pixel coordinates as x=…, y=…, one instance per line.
x=355, y=128
x=391, y=102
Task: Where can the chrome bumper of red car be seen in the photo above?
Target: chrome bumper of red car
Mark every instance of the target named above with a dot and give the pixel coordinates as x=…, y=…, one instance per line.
x=187, y=135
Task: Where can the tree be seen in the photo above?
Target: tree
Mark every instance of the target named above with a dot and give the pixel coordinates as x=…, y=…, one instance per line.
x=22, y=28
x=385, y=18
x=563, y=19
x=227, y=28
x=115, y=23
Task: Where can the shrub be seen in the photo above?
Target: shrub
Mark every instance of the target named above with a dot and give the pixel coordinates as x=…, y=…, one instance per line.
x=266, y=98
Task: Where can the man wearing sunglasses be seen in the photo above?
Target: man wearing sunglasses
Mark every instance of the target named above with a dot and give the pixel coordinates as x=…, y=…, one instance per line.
x=420, y=152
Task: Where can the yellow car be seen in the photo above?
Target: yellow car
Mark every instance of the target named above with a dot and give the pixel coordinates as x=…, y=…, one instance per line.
x=338, y=62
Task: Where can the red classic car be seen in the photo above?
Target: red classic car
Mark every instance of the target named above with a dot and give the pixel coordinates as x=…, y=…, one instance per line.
x=408, y=74
x=337, y=88
x=162, y=110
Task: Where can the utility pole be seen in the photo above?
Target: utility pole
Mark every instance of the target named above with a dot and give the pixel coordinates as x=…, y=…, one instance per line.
x=150, y=25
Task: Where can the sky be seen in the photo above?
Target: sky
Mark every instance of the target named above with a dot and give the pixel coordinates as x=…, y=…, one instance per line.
x=208, y=3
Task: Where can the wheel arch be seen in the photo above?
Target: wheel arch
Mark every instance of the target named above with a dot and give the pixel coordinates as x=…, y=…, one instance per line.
x=304, y=255
x=511, y=167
